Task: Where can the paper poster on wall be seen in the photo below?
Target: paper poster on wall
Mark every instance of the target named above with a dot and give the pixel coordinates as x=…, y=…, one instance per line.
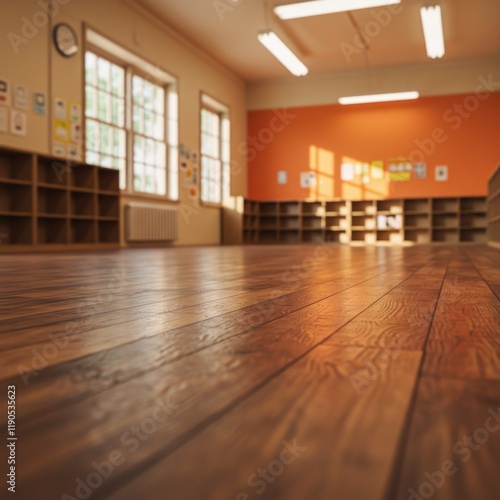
x=73, y=152
x=420, y=170
x=40, y=103
x=4, y=92
x=347, y=171
x=441, y=173
x=18, y=122
x=60, y=109
x=4, y=119
x=193, y=192
x=282, y=177
x=399, y=170
x=76, y=133
x=20, y=97
x=58, y=149
x=377, y=170
x=75, y=112
x=61, y=133
x=307, y=179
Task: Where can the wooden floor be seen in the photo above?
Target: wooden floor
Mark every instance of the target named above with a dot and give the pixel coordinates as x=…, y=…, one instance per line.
x=279, y=372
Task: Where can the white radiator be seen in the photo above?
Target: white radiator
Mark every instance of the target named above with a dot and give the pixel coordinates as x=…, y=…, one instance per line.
x=145, y=222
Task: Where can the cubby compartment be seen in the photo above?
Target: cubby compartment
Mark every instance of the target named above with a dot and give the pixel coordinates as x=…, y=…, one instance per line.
x=251, y=222
x=312, y=208
x=445, y=220
x=288, y=208
x=53, y=172
x=312, y=236
x=472, y=205
x=109, y=206
x=109, y=232
x=250, y=236
x=288, y=236
x=336, y=222
x=251, y=207
x=83, y=204
x=363, y=222
x=445, y=235
x=336, y=207
x=52, y=231
x=473, y=236
x=268, y=208
x=390, y=206
x=336, y=237
x=83, y=231
x=446, y=205
x=289, y=222
x=473, y=220
x=309, y=223
x=83, y=177
x=16, y=230
x=417, y=221
x=267, y=222
x=421, y=236
x=268, y=236
x=416, y=205
x=16, y=166
x=52, y=201
x=389, y=236
x=108, y=180
x=15, y=198
x=363, y=207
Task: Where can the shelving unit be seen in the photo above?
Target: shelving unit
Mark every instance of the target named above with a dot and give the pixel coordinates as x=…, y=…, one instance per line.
x=49, y=203
x=493, y=210
x=380, y=222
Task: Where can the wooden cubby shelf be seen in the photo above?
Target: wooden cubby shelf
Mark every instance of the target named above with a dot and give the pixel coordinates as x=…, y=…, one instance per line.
x=493, y=210
x=362, y=222
x=51, y=203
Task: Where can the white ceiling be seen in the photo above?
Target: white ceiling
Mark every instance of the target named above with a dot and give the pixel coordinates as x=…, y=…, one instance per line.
x=471, y=29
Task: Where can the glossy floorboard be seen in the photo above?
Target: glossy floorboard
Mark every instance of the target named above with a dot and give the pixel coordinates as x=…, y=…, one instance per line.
x=279, y=372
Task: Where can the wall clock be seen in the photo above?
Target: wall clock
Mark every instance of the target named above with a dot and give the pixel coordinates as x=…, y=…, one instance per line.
x=65, y=39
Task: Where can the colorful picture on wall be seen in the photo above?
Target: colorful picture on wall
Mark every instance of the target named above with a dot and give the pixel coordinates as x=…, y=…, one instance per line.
x=20, y=97
x=377, y=170
x=40, y=103
x=4, y=92
x=18, y=123
x=441, y=173
x=399, y=170
x=420, y=170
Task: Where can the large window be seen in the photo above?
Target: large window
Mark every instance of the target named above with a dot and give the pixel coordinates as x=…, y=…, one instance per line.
x=131, y=122
x=214, y=151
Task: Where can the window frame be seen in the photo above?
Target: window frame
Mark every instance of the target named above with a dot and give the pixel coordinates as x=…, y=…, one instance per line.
x=169, y=85
x=222, y=111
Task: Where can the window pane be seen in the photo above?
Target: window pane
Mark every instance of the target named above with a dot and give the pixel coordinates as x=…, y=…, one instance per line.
x=139, y=153
x=103, y=74
x=90, y=101
x=117, y=80
x=160, y=181
x=102, y=106
x=90, y=68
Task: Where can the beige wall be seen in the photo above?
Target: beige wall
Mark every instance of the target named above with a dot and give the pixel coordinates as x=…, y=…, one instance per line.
x=38, y=66
x=443, y=78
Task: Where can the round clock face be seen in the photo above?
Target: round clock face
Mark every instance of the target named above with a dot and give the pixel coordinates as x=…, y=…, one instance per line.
x=65, y=40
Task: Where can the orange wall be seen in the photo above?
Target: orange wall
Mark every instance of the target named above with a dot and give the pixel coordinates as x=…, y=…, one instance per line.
x=460, y=131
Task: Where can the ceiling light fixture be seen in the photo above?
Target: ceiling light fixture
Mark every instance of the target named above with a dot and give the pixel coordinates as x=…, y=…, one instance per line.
x=322, y=7
x=433, y=31
x=365, y=99
x=284, y=55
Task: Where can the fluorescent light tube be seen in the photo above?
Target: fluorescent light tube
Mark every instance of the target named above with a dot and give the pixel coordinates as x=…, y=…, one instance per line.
x=321, y=7
x=364, y=99
x=433, y=31
x=284, y=55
